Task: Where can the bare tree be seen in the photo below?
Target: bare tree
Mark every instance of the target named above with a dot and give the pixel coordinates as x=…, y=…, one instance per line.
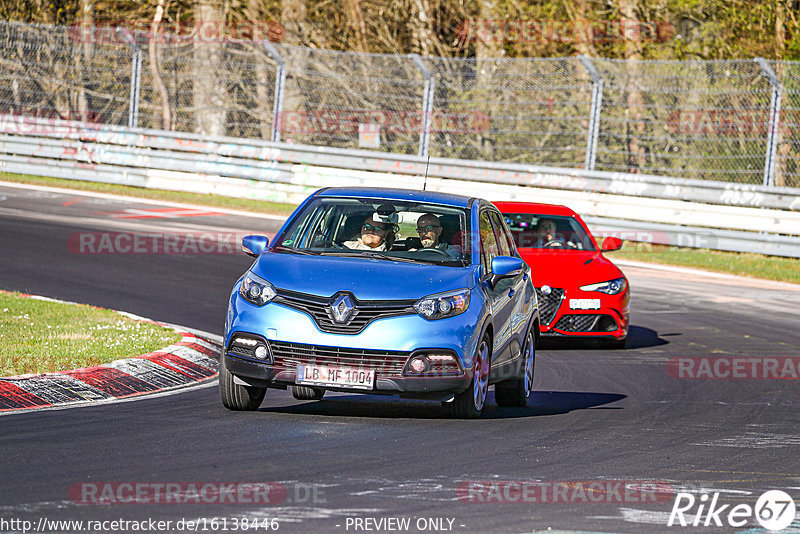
x=166, y=116
x=208, y=94
x=420, y=23
x=632, y=46
x=85, y=19
x=294, y=18
x=357, y=24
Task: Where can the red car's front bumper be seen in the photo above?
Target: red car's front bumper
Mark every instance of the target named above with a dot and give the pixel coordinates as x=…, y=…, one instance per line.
x=563, y=313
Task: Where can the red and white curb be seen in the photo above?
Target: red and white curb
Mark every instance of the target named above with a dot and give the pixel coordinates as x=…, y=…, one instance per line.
x=191, y=360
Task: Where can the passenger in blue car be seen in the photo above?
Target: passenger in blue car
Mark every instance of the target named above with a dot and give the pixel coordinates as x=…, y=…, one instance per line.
x=430, y=230
x=375, y=235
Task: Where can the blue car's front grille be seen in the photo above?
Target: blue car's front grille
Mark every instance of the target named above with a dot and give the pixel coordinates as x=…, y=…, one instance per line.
x=363, y=313
x=384, y=362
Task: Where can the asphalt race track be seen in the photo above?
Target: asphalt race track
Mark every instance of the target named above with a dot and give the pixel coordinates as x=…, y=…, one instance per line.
x=602, y=417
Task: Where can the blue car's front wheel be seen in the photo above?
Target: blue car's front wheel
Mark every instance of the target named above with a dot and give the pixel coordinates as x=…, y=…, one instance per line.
x=515, y=392
x=470, y=403
x=235, y=396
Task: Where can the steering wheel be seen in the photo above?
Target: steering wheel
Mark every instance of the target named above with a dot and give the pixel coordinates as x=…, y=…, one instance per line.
x=555, y=243
x=560, y=243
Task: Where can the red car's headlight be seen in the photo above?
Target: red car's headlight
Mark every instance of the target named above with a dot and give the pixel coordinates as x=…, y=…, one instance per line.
x=610, y=287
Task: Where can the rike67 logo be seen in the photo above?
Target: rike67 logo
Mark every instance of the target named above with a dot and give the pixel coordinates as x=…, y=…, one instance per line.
x=774, y=510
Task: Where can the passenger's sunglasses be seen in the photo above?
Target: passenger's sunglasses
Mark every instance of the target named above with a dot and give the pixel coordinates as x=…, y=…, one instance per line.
x=372, y=228
x=426, y=229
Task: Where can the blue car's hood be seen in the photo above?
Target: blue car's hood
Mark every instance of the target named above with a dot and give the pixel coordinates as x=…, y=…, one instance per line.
x=367, y=279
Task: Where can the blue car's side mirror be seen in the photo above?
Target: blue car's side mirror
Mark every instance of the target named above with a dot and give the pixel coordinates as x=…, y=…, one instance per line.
x=506, y=267
x=254, y=245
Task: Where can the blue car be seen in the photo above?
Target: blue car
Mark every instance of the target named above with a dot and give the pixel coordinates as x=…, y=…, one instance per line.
x=384, y=291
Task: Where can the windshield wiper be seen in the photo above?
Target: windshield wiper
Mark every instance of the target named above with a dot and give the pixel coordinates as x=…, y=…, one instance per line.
x=379, y=256
x=297, y=251
x=369, y=254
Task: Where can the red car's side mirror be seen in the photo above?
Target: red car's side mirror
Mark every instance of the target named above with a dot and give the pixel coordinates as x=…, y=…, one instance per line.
x=612, y=243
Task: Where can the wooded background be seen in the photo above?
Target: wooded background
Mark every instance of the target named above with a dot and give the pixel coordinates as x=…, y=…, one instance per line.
x=630, y=29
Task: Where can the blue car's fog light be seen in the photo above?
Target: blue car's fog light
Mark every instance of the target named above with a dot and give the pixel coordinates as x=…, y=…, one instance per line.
x=250, y=346
x=433, y=364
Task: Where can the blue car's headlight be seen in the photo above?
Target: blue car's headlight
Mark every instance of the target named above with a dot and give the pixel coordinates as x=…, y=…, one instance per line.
x=610, y=287
x=256, y=290
x=443, y=305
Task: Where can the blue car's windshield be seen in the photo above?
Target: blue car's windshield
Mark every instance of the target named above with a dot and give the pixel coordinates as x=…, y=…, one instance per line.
x=380, y=228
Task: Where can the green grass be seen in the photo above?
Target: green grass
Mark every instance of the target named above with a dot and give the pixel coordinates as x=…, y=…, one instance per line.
x=39, y=336
x=752, y=265
x=739, y=263
x=213, y=201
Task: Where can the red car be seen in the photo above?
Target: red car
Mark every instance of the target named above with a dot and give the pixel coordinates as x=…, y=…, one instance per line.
x=580, y=292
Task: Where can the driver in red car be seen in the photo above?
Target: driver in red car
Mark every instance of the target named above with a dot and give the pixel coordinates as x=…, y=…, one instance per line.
x=549, y=237
x=546, y=228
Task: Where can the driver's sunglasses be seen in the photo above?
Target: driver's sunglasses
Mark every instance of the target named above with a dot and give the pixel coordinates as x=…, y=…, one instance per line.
x=371, y=228
x=426, y=229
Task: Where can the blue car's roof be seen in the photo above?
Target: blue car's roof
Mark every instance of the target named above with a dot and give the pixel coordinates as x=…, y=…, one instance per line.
x=412, y=195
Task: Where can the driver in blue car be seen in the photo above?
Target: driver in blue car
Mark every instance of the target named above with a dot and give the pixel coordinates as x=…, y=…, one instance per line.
x=430, y=230
x=375, y=235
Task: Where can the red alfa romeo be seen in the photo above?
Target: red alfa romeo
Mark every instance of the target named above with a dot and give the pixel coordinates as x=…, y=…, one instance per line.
x=581, y=293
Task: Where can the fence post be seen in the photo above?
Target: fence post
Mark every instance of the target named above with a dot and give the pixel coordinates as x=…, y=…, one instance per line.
x=280, y=82
x=136, y=77
x=427, y=106
x=774, y=120
x=594, y=112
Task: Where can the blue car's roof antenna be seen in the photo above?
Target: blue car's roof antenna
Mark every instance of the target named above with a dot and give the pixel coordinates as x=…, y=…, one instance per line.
x=425, y=180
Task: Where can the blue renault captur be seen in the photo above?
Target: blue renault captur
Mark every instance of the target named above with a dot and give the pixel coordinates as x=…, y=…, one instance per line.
x=384, y=291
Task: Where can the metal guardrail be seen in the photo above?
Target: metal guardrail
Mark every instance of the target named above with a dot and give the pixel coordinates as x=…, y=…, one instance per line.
x=648, y=208
x=734, y=121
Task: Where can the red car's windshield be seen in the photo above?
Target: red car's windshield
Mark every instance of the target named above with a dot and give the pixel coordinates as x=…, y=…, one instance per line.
x=531, y=230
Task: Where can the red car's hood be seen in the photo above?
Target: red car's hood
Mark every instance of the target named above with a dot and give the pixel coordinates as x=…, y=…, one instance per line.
x=569, y=268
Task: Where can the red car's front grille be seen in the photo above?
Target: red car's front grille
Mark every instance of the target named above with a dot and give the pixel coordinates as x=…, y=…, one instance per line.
x=548, y=304
x=587, y=322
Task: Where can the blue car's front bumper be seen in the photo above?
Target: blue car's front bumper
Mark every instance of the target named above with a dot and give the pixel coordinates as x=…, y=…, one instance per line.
x=387, y=344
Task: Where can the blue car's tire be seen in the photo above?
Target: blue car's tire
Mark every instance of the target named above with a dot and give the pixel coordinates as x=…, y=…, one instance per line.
x=517, y=391
x=235, y=396
x=307, y=393
x=470, y=403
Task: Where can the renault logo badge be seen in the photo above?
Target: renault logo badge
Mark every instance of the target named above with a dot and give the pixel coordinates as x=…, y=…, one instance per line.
x=341, y=308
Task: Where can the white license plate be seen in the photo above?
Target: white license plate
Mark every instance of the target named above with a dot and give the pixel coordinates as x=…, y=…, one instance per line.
x=584, y=304
x=343, y=377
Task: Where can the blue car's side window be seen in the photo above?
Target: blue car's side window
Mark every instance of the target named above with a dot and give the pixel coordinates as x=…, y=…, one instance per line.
x=488, y=243
x=503, y=247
